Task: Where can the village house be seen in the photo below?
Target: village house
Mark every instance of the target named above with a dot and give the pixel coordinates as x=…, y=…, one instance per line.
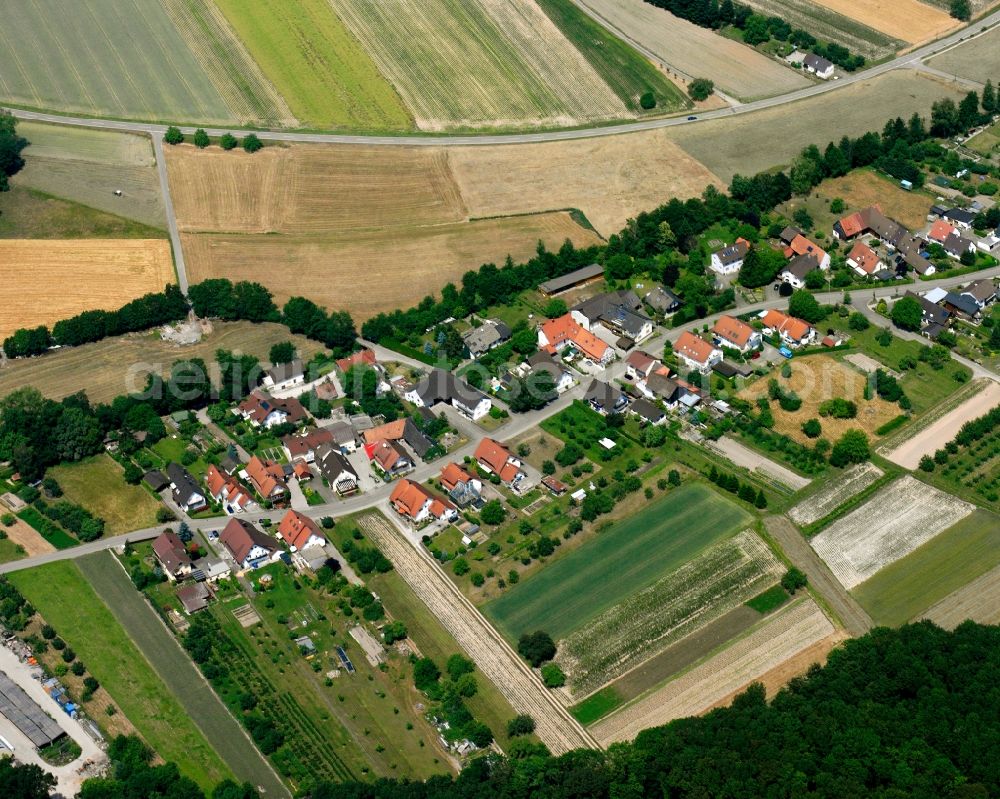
x=956, y=244
x=300, y=532
x=910, y=253
x=640, y=364
x=871, y=220
x=343, y=436
x=817, y=65
x=605, y=398
x=661, y=386
x=793, y=332
x=303, y=446
x=283, y=376
x=940, y=231
x=387, y=459
x=618, y=311
x=696, y=353
x=494, y=458
x=400, y=430
x=443, y=386
x=800, y=245
x=961, y=217
x=961, y=305
x=463, y=489
x=864, y=260
x=731, y=332
x=983, y=291
x=931, y=312
x=194, y=597
x=263, y=410
x=795, y=272
x=555, y=334
x=728, y=260
x=647, y=411
x=662, y=300
x=267, y=479
x=249, y=546
x=487, y=336
x=227, y=490
x=363, y=357
x=172, y=555
x=417, y=504
x=340, y=475
x=541, y=362
x=186, y=493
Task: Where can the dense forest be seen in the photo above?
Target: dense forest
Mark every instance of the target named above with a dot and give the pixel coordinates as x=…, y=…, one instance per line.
x=913, y=712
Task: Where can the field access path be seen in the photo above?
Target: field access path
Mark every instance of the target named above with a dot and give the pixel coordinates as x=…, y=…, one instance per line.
x=175, y=235
x=910, y=60
x=493, y=656
x=179, y=674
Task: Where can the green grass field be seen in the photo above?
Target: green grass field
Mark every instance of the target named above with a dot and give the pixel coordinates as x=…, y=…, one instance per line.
x=29, y=214
x=627, y=556
x=87, y=625
x=627, y=72
x=98, y=484
x=323, y=73
x=596, y=705
x=904, y=589
x=766, y=601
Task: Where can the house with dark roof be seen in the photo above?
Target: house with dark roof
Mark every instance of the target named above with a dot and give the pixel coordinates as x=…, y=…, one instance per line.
x=194, y=597
x=794, y=273
x=541, y=362
x=263, y=410
x=156, y=480
x=961, y=217
x=956, y=244
x=661, y=387
x=172, y=555
x=789, y=234
x=818, y=66
x=443, y=386
x=605, y=398
x=931, y=313
x=728, y=260
x=961, y=305
x=909, y=254
x=983, y=291
x=303, y=446
x=249, y=546
x=618, y=311
x=640, y=364
x=187, y=494
x=338, y=471
x=487, y=336
x=662, y=300
x=283, y=376
x=343, y=436
x=647, y=411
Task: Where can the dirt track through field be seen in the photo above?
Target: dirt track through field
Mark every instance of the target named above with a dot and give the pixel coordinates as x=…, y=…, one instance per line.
x=491, y=654
x=926, y=442
x=767, y=648
x=979, y=601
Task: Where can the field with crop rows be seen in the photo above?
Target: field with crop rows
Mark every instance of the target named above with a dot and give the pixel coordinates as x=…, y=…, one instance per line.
x=933, y=571
x=703, y=589
x=979, y=601
x=627, y=557
x=698, y=52
x=774, y=642
x=908, y=20
x=487, y=63
x=73, y=62
x=51, y=280
x=977, y=59
x=889, y=526
x=828, y=25
x=834, y=493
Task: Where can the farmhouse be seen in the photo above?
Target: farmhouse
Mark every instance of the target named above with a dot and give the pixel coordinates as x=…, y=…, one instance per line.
x=605, y=398
x=363, y=357
x=797, y=269
x=565, y=330
x=640, y=364
x=300, y=532
x=226, y=490
x=463, y=489
x=494, y=458
x=662, y=300
x=267, y=478
x=731, y=332
x=818, y=66
x=696, y=353
x=541, y=362
x=387, y=459
x=400, y=430
x=172, y=555
x=283, y=376
x=794, y=332
x=337, y=470
x=304, y=446
x=484, y=338
x=729, y=259
x=571, y=280
x=263, y=410
x=864, y=260
x=187, y=494
x=443, y=386
x=248, y=545
x=417, y=504
x=618, y=311
x=800, y=245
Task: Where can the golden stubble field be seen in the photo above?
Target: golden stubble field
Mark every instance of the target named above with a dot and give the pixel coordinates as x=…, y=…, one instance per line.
x=45, y=281
x=909, y=20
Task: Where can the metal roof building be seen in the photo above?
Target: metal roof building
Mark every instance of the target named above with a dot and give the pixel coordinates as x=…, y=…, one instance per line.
x=25, y=714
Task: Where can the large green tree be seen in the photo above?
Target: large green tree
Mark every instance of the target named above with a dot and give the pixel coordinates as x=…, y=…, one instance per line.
x=11, y=146
x=907, y=313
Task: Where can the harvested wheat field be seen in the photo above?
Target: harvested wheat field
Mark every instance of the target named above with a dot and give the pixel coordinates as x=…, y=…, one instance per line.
x=380, y=270
x=311, y=189
x=119, y=365
x=892, y=524
x=623, y=175
x=835, y=493
x=816, y=379
x=864, y=187
x=780, y=639
x=979, y=601
x=977, y=59
x=698, y=52
x=46, y=281
x=908, y=20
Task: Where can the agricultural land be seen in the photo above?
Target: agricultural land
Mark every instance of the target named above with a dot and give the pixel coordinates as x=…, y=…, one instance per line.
x=29, y=214
x=57, y=279
x=98, y=485
x=977, y=59
x=910, y=21
x=834, y=493
x=894, y=522
x=979, y=601
x=697, y=52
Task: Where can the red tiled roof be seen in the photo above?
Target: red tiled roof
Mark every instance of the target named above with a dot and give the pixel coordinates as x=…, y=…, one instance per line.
x=693, y=347
x=733, y=330
x=239, y=537
x=300, y=446
x=384, y=453
x=266, y=476
x=361, y=357
x=940, y=230
x=453, y=474
x=494, y=454
x=259, y=405
x=216, y=480
x=565, y=329
x=640, y=361
x=409, y=497
x=170, y=551
x=865, y=258
x=390, y=431
x=296, y=529
x=802, y=246
x=783, y=323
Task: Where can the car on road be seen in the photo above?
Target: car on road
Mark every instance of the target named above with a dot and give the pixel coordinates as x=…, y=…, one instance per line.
x=691, y=119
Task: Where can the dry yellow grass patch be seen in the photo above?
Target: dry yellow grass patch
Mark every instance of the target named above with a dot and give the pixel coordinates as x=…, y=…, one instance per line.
x=368, y=272
x=311, y=189
x=45, y=281
x=861, y=189
x=610, y=178
x=817, y=378
x=908, y=20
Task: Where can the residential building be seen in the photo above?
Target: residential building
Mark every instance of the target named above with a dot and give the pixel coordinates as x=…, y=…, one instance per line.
x=417, y=504
x=696, y=353
x=795, y=272
x=263, y=410
x=388, y=459
x=156, y=480
x=940, y=231
x=956, y=244
x=463, y=489
x=647, y=411
x=267, y=478
x=802, y=246
x=555, y=334
x=605, y=398
x=494, y=458
x=363, y=357
x=544, y=362
x=249, y=546
x=227, y=490
x=484, y=338
x=728, y=260
x=731, y=332
x=662, y=300
x=283, y=376
x=443, y=386
x=789, y=234
x=303, y=446
x=187, y=494
x=193, y=597
x=300, y=532
x=571, y=280
x=961, y=217
x=400, y=430
x=961, y=305
x=910, y=254
x=640, y=364
x=871, y=220
x=662, y=387
x=818, y=66
x=338, y=471
x=343, y=436
x=864, y=260
x=794, y=332
x=983, y=291
x=618, y=311
x=172, y=555
x=932, y=313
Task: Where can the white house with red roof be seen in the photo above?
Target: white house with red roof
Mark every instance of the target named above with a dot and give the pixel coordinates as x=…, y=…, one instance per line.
x=794, y=332
x=564, y=330
x=864, y=260
x=696, y=353
x=494, y=458
x=731, y=332
x=300, y=532
x=417, y=504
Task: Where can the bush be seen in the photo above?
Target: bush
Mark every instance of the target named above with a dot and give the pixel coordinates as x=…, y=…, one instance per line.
x=78, y=668
x=852, y=447
x=537, y=647
x=812, y=428
x=251, y=143
x=201, y=139
x=553, y=676
x=8, y=519
x=793, y=580
x=927, y=463
x=858, y=321
x=520, y=725
x=228, y=141
x=700, y=89
x=647, y=101
x=838, y=408
x=173, y=135
x=493, y=512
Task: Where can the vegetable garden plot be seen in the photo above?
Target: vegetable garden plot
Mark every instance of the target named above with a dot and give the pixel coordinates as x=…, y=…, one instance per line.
x=835, y=493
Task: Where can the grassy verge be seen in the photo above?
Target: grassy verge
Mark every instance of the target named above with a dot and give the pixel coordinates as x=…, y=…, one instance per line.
x=29, y=214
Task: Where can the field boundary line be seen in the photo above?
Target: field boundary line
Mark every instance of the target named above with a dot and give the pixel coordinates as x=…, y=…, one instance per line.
x=946, y=406
x=168, y=207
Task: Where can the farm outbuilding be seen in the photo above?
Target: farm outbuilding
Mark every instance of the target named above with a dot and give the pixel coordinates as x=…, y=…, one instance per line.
x=22, y=711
